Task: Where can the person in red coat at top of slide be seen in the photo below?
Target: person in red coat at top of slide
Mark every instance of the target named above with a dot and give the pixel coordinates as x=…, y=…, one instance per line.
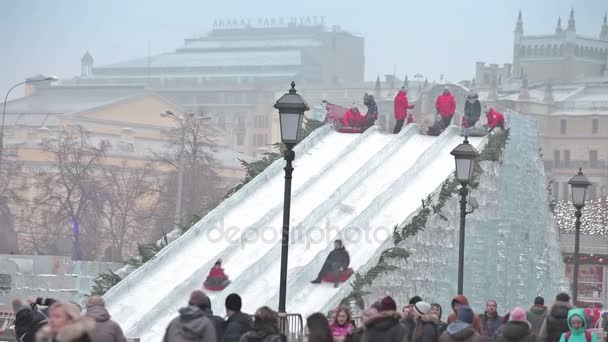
x=352, y=117
x=401, y=106
x=495, y=119
x=446, y=106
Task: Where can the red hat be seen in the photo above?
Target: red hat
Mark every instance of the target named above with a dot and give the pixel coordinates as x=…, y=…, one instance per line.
x=388, y=304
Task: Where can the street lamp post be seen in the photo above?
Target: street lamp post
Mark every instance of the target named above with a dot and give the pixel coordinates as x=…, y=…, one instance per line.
x=579, y=184
x=291, y=108
x=465, y=155
x=183, y=124
x=4, y=107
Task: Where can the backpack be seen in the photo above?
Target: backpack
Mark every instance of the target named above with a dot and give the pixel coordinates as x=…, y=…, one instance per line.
x=587, y=335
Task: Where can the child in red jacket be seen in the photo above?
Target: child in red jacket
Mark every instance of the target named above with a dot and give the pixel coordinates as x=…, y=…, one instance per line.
x=217, y=279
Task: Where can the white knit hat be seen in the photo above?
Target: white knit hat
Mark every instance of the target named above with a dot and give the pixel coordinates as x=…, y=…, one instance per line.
x=422, y=308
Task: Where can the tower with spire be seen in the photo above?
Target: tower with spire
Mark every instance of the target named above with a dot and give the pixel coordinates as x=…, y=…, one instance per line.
x=604, y=32
x=517, y=39
x=571, y=21
x=558, y=28
x=86, y=64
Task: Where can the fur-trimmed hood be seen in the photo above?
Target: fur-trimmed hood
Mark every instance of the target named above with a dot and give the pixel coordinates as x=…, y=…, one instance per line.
x=73, y=331
x=428, y=318
x=383, y=320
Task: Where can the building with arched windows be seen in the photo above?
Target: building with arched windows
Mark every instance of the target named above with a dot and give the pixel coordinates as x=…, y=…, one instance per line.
x=563, y=56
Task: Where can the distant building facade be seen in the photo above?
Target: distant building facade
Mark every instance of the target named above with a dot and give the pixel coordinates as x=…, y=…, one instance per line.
x=563, y=56
x=236, y=72
x=562, y=80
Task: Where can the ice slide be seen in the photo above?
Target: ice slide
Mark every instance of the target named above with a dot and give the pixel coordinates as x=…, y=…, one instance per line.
x=347, y=180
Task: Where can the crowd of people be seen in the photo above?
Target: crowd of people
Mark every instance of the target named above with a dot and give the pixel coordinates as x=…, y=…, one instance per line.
x=420, y=321
x=46, y=320
x=445, y=106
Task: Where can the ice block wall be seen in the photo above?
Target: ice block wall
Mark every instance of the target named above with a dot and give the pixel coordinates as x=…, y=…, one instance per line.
x=512, y=249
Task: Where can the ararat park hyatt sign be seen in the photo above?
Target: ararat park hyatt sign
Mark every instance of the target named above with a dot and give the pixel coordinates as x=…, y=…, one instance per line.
x=236, y=23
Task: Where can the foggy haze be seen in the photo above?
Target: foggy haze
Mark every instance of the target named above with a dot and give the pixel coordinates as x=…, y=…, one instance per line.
x=426, y=37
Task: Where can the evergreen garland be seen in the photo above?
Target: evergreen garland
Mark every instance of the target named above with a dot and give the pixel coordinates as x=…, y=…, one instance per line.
x=104, y=282
x=491, y=152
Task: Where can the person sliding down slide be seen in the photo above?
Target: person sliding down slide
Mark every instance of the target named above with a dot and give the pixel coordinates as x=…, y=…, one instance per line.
x=336, y=263
x=217, y=280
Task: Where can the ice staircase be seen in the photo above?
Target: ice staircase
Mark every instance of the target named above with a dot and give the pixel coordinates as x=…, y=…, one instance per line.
x=350, y=186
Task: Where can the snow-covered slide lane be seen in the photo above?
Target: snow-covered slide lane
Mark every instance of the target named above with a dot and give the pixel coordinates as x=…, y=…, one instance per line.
x=261, y=235
x=152, y=283
x=322, y=229
x=388, y=209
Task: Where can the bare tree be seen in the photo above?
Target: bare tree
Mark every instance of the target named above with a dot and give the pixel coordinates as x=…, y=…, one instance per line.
x=129, y=204
x=72, y=189
x=10, y=185
x=202, y=188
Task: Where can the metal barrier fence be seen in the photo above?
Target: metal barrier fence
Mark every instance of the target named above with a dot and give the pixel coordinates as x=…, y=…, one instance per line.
x=292, y=326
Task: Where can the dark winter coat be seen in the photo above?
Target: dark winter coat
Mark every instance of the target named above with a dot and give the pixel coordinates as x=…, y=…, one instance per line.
x=515, y=331
x=338, y=256
x=536, y=317
x=77, y=331
x=236, y=325
x=263, y=332
x=106, y=330
x=27, y=323
x=191, y=325
x=472, y=111
x=356, y=336
x=460, y=332
x=372, y=110
x=218, y=323
x=385, y=327
x=410, y=326
x=490, y=324
x=427, y=329
x=556, y=322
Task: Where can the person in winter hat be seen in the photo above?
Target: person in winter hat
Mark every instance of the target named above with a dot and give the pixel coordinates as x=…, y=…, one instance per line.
x=372, y=109
x=577, y=323
x=472, y=111
x=556, y=322
x=201, y=300
x=191, y=324
x=410, y=316
x=495, y=119
x=490, y=319
x=28, y=321
x=106, y=330
x=427, y=324
x=446, y=106
x=237, y=323
x=461, y=329
x=516, y=329
x=459, y=301
x=401, y=105
x=385, y=325
x=537, y=314
x=66, y=325
x=265, y=327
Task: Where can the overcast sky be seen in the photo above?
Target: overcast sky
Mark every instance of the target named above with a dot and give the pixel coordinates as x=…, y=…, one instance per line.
x=430, y=37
